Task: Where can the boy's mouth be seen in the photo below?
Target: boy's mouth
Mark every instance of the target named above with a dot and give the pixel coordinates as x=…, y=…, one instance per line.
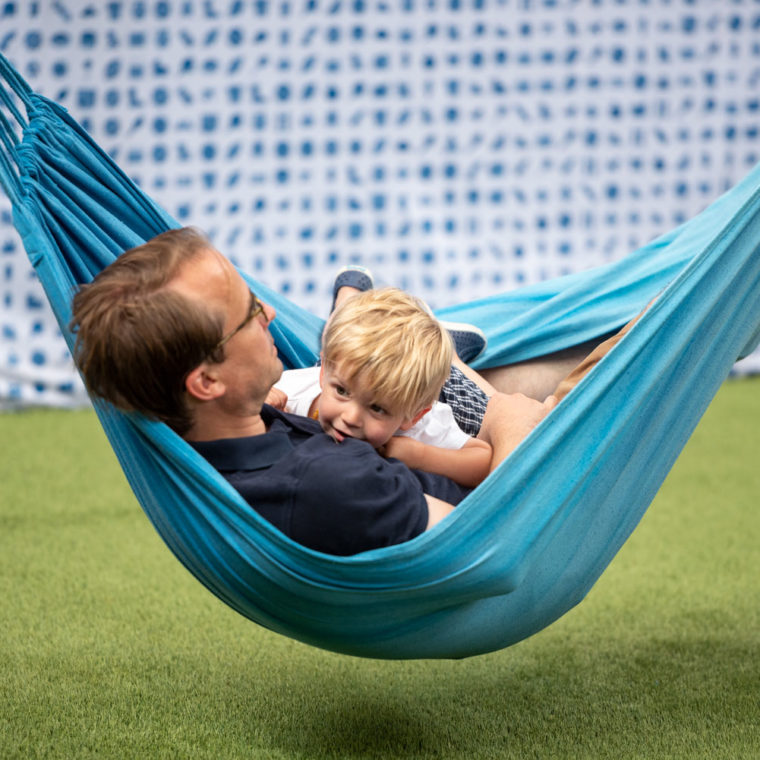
x=338, y=435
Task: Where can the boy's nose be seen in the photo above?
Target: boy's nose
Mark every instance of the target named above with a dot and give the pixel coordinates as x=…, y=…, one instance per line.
x=351, y=415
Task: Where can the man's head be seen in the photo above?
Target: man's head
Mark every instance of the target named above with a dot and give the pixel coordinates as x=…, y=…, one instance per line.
x=384, y=361
x=151, y=329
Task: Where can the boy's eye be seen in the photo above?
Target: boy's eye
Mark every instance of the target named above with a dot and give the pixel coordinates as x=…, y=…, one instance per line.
x=375, y=409
x=340, y=390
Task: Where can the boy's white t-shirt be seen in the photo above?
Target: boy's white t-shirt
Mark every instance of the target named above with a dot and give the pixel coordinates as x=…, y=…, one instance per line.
x=437, y=428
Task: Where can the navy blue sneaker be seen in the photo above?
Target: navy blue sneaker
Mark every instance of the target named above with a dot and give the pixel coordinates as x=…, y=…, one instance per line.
x=469, y=341
x=352, y=276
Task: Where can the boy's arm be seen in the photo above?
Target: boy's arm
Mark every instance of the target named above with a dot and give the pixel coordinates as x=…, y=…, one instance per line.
x=467, y=466
x=277, y=398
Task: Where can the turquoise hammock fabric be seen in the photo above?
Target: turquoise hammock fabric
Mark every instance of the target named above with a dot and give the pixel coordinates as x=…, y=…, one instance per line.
x=531, y=541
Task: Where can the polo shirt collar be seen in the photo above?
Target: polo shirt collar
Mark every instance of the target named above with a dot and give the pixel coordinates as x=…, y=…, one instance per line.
x=256, y=452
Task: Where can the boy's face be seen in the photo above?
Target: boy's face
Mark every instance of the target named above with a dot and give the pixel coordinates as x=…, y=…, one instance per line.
x=348, y=409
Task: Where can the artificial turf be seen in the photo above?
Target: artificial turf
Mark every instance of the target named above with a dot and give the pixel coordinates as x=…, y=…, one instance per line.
x=111, y=650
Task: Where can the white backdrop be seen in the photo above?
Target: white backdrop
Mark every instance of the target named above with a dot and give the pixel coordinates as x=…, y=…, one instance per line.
x=457, y=148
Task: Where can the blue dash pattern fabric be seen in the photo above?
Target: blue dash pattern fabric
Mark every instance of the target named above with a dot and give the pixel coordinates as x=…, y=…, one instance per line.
x=459, y=148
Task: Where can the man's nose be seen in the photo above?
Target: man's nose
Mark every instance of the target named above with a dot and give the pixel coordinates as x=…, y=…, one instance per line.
x=269, y=311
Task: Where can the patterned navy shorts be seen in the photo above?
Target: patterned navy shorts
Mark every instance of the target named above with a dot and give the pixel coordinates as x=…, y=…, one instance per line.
x=468, y=402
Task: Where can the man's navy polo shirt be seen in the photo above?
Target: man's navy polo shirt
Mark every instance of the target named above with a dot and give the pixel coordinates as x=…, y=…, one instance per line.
x=338, y=498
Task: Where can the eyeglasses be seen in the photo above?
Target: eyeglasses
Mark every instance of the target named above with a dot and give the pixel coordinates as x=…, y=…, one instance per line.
x=257, y=307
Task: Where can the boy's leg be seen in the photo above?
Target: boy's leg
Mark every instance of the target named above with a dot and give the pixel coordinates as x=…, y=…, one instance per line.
x=467, y=391
x=473, y=375
x=466, y=399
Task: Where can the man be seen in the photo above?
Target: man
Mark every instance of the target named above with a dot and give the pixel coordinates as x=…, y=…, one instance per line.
x=172, y=330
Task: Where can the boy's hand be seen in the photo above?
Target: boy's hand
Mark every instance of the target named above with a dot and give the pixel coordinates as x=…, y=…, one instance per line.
x=277, y=399
x=403, y=448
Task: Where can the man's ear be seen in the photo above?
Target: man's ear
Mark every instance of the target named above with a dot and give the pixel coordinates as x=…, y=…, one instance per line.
x=407, y=424
x=203, y=383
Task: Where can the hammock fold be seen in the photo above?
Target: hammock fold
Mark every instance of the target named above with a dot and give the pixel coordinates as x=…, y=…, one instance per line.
x=526, y=545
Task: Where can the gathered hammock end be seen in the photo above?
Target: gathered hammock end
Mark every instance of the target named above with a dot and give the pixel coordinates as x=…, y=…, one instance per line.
x=526, y=545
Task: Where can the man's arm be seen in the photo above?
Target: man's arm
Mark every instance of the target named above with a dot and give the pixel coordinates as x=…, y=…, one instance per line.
x=437, y=510
x=467, y=466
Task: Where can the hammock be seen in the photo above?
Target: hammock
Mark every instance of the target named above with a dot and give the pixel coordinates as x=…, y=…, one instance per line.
x=526, y=545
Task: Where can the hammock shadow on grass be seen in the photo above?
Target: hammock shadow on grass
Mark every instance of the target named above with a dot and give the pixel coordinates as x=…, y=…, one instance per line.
x=687, y=696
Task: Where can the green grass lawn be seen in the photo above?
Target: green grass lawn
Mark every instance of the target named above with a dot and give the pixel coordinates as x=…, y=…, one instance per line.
x=110, y=649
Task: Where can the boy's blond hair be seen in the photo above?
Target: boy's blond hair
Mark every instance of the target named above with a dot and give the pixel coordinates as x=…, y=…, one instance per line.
x=388, y=340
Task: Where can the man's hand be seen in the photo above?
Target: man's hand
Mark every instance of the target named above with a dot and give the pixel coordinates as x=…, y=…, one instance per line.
x=509, y=418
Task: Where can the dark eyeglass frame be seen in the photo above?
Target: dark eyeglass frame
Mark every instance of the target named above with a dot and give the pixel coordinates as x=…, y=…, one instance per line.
x=257, y=307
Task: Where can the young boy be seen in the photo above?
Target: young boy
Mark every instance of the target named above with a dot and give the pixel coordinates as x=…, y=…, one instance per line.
x=385, y=359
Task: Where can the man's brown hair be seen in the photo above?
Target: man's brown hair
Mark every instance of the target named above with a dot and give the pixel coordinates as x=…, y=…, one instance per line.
x=137, y=340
